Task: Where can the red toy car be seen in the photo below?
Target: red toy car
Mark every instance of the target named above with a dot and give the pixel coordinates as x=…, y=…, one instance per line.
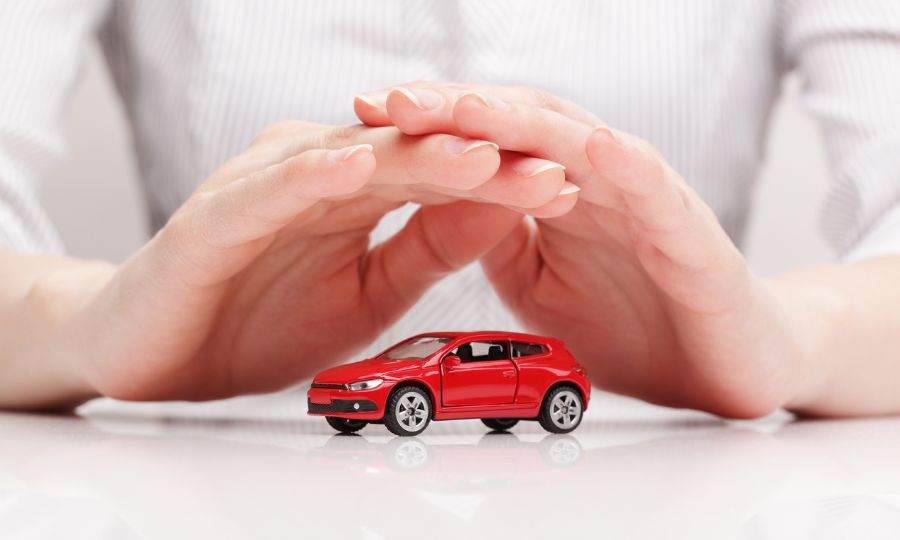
x=499, y=377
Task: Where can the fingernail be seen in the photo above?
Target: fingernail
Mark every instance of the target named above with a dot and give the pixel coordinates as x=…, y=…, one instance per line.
x=609, y=133
x=375, y=99
x=464, y=146
x=529, y=167
x=490, y=102
x=569, y=188
x=343, y=154
x=424, y=99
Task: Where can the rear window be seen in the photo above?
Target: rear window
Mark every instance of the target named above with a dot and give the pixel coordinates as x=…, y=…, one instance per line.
x=522, y=348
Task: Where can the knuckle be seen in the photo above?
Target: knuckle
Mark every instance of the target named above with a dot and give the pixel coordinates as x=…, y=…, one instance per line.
x=280, y=130
x=656, y=169
x=272, y=131
x=338, y=136
x=544, y=99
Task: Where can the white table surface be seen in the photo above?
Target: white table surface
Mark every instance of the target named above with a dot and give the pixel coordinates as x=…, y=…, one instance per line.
x=258, y=467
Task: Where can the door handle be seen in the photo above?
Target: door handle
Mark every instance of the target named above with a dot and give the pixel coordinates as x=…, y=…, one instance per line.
x=509, y=373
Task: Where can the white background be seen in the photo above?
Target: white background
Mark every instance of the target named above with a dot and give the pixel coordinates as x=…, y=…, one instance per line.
x=95, y=200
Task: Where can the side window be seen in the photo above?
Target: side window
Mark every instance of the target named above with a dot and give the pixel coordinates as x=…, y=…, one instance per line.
x=520, y=349
x=479, y=351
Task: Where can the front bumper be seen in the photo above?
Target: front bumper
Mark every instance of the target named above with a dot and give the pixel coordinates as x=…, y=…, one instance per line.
x=342, y=406
x=361, y=405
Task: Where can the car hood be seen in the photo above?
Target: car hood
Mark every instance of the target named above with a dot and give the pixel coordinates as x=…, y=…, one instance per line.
x=366, y=369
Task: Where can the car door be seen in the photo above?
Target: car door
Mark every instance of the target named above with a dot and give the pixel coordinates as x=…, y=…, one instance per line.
x=485, y=375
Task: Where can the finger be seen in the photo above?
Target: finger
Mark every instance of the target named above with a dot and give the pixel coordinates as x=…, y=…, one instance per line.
x=213, y=237
x=440, y=160
x=524, y=181
x=371, y=106
x=676, y=233
x=420, y=111
x=521, y=181
x=513, y=265
x=439, y=168
x=541, y=133
x=430, y=169
x=561, y=204
x=435, y=242
x=559, y=207
x=521, y=124
x=426, y=106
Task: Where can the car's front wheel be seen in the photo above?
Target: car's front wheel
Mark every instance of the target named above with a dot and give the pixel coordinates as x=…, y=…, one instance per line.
x=500, y=424
x=408, y=411
x=345, y=425
x=561, y=410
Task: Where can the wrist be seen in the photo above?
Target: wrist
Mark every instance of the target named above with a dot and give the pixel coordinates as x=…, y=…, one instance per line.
x=53, y=344
x=813, y=312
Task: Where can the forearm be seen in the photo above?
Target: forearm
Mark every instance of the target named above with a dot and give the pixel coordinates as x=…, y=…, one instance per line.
x=40, y=346
x=846, y=321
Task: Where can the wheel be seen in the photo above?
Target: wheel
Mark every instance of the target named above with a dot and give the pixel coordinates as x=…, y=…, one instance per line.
x=345, y=425
x=561, y=410
x=408, y=411
x=499, y=424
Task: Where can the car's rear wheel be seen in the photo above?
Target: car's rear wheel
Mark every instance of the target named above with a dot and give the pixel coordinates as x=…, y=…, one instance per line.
x=500, y=424
x=345, y=425
x=561, y=410
x=408, y=411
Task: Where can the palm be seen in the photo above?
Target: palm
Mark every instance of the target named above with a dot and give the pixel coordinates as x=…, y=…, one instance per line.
x=300, y=305
x=625, y=324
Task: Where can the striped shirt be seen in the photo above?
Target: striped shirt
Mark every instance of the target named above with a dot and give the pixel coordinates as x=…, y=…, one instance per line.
x=697, y=78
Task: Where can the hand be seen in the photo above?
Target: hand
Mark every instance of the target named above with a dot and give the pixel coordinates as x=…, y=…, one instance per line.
x=639, y=279
x=265, y=274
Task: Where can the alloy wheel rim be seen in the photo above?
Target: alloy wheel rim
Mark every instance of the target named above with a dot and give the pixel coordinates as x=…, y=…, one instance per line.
x=565, y=409
x=412, y=411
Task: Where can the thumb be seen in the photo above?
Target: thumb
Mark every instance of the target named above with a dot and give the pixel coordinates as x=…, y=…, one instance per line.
x=436, y=241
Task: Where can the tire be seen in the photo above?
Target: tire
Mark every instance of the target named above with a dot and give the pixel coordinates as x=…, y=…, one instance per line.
x=500, y=424
x=561, y=410
x=345, y=425
x=403, y=400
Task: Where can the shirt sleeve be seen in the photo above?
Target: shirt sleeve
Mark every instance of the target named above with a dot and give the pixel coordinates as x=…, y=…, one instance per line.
x=848, y=57
x=42, y=44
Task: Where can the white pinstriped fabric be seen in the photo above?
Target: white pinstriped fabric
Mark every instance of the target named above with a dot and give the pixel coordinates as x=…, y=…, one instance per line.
x=697, y=78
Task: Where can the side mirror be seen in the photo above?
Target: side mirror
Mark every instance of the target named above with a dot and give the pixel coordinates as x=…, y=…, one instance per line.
x=451, y=361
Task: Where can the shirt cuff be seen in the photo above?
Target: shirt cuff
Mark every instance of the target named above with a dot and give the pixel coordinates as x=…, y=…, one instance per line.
x=882, y=239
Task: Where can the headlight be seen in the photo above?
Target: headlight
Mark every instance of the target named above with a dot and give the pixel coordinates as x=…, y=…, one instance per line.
x=365, y=385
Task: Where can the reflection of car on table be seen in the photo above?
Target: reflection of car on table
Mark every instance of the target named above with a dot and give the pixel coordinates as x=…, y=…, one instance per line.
x=499, y=377
x=495, y=456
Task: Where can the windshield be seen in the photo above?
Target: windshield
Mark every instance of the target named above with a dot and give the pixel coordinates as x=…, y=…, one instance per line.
x=416, y=349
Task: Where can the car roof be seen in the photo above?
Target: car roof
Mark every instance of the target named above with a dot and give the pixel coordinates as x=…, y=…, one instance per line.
x=489, y=334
